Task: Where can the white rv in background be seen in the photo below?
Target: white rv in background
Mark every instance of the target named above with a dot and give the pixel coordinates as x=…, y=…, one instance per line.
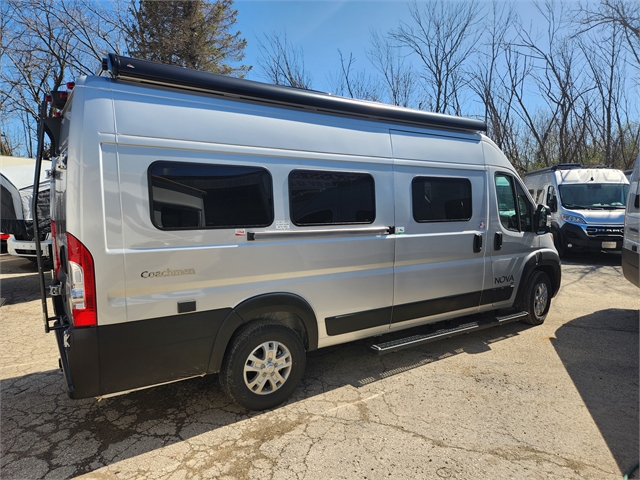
x=631, y=243
x=587, y=205
x=16, y=216
x=207, y=224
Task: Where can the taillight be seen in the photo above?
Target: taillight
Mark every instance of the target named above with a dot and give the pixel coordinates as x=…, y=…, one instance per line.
x=55, y=251
x=82, y=284
x=4, y=236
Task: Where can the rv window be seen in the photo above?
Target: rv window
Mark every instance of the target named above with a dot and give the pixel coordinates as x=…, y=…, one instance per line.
x=331, y=198
x=198, y=196
x=438, y=199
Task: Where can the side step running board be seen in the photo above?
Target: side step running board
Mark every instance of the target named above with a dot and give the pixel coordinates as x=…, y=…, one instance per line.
x=444, y=332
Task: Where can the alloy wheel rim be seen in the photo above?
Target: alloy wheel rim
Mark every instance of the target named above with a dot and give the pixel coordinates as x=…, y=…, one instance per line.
x=267, y=368
x=541, y=297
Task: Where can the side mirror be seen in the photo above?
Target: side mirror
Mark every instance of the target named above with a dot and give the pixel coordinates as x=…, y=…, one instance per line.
x=553, y=204
x=542, y=220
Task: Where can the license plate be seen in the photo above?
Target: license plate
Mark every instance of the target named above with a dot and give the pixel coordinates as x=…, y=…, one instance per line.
x=608, y=244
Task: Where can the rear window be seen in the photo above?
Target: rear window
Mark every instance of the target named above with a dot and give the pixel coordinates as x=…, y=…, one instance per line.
x=187, y=196
x=331, y=198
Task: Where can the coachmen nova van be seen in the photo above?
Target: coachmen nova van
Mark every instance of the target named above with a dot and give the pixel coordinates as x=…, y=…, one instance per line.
x=587, y=205
x=631, y=242
x=206, y=224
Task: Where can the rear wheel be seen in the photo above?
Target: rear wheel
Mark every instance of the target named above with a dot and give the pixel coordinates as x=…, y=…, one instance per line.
x=537, y=298
x=263, y=366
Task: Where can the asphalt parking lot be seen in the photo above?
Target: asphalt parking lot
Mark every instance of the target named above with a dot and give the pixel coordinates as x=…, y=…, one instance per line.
x=554, y=401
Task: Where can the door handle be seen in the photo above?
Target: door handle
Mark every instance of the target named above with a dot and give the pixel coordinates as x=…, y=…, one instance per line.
x=497, y=241
x=477, y=243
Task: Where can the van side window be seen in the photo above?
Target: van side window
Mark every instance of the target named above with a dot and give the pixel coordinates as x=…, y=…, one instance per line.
x=525, y=209
x=200, y=196
x=331, y=198
x=514, y=208
x=438, y=199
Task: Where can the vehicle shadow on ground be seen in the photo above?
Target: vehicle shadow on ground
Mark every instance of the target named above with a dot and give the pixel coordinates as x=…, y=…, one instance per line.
x=44, y=433
x=600, y=353
x=593, y=259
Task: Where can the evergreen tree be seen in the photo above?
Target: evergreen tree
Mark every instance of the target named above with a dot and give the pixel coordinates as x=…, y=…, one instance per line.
x=193, y=34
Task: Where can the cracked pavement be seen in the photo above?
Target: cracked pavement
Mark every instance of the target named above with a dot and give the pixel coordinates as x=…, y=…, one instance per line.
x=555, y=401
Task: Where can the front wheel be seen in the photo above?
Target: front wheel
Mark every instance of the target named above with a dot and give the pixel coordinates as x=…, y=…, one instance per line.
x=263, y=366
x=537, y=298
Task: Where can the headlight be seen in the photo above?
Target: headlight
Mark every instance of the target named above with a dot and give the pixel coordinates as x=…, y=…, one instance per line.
x=573, y=219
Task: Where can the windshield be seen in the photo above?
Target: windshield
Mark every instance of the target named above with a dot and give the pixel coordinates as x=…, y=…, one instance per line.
x=594, y=196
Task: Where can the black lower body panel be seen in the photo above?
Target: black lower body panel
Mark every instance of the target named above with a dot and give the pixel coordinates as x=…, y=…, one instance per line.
x=125, y=356
x=630, y=266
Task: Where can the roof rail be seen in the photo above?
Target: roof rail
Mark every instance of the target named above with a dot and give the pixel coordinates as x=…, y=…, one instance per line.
x=125, y=68
x=553, y=168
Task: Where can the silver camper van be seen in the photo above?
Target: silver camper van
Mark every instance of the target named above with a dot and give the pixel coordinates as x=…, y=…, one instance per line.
x=212, y=225
x=587, y=205
x=631, y=241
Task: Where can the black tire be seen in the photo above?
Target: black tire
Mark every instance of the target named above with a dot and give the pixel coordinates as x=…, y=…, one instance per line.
x=537, y=298
x=278, y=380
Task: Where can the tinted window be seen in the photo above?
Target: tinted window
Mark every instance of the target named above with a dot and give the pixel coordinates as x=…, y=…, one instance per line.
x=198, y=196
x=506, y=202
x=525, y=209
x=437, y=199
x=589, y=196
x=330, y=198
x=514, y=215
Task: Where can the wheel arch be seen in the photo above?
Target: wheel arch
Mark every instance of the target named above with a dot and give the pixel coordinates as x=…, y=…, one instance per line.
x=546, y=261
x=286, y=308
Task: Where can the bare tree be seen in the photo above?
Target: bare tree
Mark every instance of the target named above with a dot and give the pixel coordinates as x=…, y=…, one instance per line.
x=398, y=75
x=282, y=63
x=622, y=13
x=603, y=52
x=354, y=83
x=443, y=35
x=44, y=44
x=487, y=78
x=556, y=71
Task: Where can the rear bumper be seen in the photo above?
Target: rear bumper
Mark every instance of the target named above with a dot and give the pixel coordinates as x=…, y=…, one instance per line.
x=117, y=358
x=579, y=239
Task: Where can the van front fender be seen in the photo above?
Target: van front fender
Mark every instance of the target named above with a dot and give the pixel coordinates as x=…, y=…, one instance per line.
x=545, y=260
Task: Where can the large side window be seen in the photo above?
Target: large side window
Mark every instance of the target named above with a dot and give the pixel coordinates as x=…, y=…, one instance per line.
x=331, y=198
x=441, y=199
x=199, y=196
x=514, y=207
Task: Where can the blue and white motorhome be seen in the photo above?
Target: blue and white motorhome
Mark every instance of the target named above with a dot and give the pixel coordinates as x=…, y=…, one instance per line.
x=587, y=205
x=212, y=225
